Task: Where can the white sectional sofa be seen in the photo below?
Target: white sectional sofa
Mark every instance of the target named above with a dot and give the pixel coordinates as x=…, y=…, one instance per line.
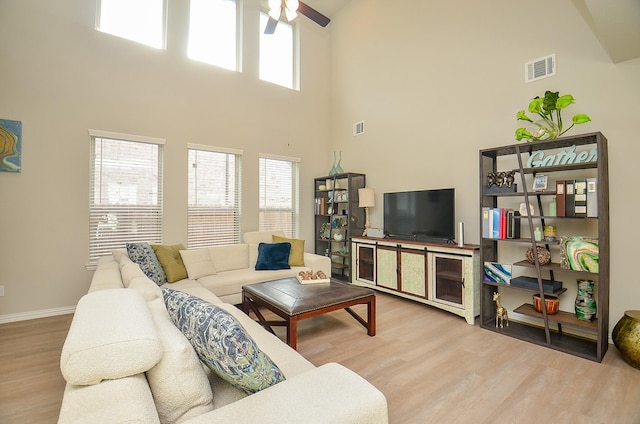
x=125, y=360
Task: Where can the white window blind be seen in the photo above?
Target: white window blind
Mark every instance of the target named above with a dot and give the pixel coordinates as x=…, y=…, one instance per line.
x=125, y=192
x=279, y=191
x=214, y=197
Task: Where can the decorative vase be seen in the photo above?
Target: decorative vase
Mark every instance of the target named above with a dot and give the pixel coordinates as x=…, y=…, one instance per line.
x=585, y=303
x=333, y=170
x=543, y=130
x=626, y=337
x=338, y=167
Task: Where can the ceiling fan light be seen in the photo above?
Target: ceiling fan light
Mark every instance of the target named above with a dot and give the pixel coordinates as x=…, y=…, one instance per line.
x=275, y=9
x=291, y=9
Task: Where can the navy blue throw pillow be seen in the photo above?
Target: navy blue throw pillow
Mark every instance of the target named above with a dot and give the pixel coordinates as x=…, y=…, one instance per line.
x=273, y=256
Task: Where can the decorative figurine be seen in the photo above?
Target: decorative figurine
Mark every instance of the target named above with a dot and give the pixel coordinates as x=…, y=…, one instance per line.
x=501, y=312
x=510, y=177
x=491, y=179
x=500, y=178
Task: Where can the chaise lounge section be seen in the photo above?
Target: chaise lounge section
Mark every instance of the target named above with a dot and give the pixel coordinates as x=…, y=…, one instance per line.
x=126, y=360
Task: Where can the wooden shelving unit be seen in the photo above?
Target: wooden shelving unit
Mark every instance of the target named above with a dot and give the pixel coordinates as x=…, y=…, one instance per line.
x=561, y=331
x=336, y=207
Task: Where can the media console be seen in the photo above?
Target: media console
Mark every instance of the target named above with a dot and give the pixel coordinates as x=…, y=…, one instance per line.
x=439, y=275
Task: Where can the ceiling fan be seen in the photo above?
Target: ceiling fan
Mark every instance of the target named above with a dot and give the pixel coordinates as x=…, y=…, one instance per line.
x=291, y=8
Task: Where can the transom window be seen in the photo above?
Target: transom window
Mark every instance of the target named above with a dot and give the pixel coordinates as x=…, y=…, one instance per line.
x=142, y=21
x=214, y=196
x=125, y=192
x=277, y=58
x=279, y=194
x=213, y=32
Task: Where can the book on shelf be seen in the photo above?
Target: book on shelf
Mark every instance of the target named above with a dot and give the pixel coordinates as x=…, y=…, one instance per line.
x=560, y=198
x=513, y=224
x=532, y=283
x=485, y=222
x=580, y=198
x=592, y=197
x=495, y=229
x=570, y=198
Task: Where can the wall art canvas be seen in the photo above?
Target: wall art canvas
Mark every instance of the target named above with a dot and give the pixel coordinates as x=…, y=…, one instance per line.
x=10, y=146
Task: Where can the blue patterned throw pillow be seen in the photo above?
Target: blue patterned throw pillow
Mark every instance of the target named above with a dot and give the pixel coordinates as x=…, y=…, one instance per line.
x=272, y=256
x=222, y=342
x=143, y=255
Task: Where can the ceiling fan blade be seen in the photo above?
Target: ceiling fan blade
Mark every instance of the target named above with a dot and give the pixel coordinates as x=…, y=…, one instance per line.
x=271, y=26
x=313, y=14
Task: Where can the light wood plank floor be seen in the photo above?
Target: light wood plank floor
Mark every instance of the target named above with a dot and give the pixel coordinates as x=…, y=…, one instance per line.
x=432, y=366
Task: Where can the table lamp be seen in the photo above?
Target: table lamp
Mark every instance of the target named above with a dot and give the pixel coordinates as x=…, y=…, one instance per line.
x=367, y=200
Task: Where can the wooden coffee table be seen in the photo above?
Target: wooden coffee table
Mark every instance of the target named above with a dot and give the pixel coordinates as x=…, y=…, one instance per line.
x=293, y=302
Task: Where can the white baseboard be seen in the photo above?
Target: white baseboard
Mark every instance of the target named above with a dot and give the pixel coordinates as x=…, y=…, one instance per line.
x=23, y=316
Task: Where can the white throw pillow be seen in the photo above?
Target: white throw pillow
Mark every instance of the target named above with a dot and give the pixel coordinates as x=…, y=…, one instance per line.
x=112, y=335
x=198, y=262
x=178, y=382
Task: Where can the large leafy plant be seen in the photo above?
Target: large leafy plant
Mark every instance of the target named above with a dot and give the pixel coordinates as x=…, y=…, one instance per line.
x=549, y=109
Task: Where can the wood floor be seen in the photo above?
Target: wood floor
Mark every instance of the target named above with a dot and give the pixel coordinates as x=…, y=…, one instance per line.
x=432, y=366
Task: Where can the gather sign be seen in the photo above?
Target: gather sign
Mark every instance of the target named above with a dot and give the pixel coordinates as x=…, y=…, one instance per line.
x=563, y=157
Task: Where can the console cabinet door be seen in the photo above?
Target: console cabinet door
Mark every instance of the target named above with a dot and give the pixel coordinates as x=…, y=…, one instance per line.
x=413, y=272
x=447, y=279
x=387, y=267
x=365, y=263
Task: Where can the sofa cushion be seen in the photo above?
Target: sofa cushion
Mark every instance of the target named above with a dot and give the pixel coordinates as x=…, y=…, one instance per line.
x=143, y=255
x=179, y=383
x=130, y=270
x=221, y=342
x=272, y=256
x=147, y=288
x=230, y=257
x=171, y=261
x=112, y=335
x=296, y=256
x=255, y=237
x=198, y=262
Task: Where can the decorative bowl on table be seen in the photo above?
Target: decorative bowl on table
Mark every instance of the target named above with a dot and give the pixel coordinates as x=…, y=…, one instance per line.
x=552, y=303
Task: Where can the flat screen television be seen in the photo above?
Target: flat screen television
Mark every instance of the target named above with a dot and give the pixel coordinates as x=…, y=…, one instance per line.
x=426, y=215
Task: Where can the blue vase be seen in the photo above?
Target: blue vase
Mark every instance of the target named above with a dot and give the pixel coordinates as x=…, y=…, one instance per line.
x=338, y=167
x=333, y=170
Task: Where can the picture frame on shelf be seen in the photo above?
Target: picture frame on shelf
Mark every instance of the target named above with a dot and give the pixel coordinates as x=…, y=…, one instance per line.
x=540, y=182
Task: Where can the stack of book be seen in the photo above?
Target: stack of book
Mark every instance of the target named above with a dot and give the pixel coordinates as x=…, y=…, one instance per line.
x=500, y=223
x=577, y=198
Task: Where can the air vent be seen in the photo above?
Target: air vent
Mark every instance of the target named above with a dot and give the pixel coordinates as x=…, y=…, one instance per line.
x=540, y=68
x=358, y=128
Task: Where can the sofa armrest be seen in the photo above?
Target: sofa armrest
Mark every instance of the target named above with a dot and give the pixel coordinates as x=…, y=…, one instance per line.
x=328, y=394
x=317, y=263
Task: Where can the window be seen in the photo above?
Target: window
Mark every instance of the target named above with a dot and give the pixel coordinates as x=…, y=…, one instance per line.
x=213, y=34
x=214, y=196
x=277, y=59
x=138, y=20
x=279, y=189
x=125, y=192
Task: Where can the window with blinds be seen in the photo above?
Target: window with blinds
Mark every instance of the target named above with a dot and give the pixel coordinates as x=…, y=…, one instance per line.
x=279, y=191
x=214, y=196
x=125, y=192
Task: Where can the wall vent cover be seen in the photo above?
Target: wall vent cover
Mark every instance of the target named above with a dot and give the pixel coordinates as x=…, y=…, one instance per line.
x=358, y=128
x=540, y=68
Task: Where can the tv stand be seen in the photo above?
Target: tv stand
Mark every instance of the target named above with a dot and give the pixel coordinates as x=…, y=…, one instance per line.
x=436, y=274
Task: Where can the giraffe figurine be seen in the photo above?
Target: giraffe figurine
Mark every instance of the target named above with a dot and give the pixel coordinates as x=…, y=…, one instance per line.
x=501, y=312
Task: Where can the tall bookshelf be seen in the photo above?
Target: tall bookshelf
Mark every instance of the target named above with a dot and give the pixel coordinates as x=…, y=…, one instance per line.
x=337, y=218
x=561, y=331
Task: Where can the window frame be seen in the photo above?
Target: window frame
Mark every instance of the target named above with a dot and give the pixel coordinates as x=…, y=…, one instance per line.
x=294, y=229
x=237, y=67
x=151, y=216
x=295, y=51
x=192, y=228
x=162, y=45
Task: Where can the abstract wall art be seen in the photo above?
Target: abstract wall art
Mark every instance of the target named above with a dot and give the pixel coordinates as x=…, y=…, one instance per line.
x=10, y=146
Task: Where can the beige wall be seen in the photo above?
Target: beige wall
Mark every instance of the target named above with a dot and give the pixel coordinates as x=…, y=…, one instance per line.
x=61, y=78
x=435, y=81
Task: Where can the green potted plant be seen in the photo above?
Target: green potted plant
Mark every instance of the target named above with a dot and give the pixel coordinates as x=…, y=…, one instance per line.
x=549, y=109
